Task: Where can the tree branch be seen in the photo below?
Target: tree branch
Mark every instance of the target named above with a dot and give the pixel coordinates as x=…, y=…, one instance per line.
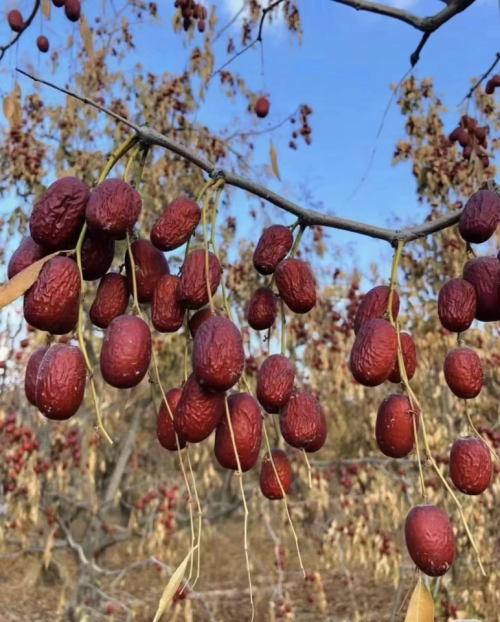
x=150, y=136
x=4, y=48
x=482, y=78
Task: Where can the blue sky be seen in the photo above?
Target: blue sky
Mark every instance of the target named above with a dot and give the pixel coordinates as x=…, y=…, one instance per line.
x=343, y=70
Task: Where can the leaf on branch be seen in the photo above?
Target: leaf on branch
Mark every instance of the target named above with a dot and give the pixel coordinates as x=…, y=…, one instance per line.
x=8, y=107
x=22, y=281
x=86, y=35
x=171, y=589
x=46, y=8
x=274, y=161
x=47, y=554
x=421, y=607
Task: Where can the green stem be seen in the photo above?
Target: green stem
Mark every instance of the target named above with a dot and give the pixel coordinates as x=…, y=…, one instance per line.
x=283, y=327
x=297, y=241
x=394, y=278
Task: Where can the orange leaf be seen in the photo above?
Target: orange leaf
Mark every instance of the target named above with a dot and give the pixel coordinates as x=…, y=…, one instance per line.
x=421, y=607
x=22, y=281
x=46, y=8
x=274, y=161
x=86, y=37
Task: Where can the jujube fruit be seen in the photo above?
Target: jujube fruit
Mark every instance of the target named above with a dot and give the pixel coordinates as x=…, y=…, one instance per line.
x=167, y=313
x=269, y=483
x=275, y=382
x=176, y=225
x=262, y=107
x=262, y=309
x=193, y=291
x=113, y=209
x=483, y=273
x=374, y=306
x=150, y=265
x=394, y=428
x=58, y=217
x=165, y=423
x=480, y=217
x=42, y=44
x=409, y=353
x=198, y=412
x=60, y=384
x=430, y=540
x=273, y=246
x=31, y=374
x=470, y=465
x=58, y=3
x=457, y=305
x=72, y=10
x=199, y=318
x=126, y=352
x=246, y=421
x=16, y=21
x=97, y=256
x=296, y=285
x=111, y=300
x=25, y=255
x=51, y=304
x=374, y=353
x=302, y=421
x=218, y=357
x=463, y=373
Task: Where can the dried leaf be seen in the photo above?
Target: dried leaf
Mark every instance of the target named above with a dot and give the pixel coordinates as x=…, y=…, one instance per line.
x=421, y=607
x=274, y=161
x=17, y=90
x=47, y=554
x=8, y=107
x=22, y=281
x=86, y=37
x=46, y=8
x=171, y=589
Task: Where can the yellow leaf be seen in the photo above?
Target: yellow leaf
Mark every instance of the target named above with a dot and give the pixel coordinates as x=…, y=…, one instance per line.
x=274, y=161
x=17, y=90
x=46, y=8
x=171, y=589
x=47, y=554
x=8, y=107
x=22, y=281
x=86, y=37
x=421, y=607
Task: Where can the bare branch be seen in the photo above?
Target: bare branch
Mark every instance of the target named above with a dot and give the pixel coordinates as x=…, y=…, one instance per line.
x=415, y=57
x=31, y=17
x=150, y=136
x=482, y=78
x=229, y=24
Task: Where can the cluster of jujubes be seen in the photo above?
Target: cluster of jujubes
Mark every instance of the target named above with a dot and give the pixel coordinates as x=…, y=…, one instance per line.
x=374, y=360
x=192, y=12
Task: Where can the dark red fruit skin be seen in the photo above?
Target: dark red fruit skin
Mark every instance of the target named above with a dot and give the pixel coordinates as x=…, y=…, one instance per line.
x=409, y=358
x=269, y=483
x=113, y=209
x=302, y=421
x=218, y=356
x=374, y=306
x=167, y=313
x=15, y=20
x=176, y=225
x=25, y=255
x=60, y=383
x=275, y=382
x=457, y=305
x=463, y=373
x=58, y=217
x=31, y=374
x=198, y=318
x=430, y=540
x=72, y=10
x=262, y=309
x=480, y=217
x=198, y=412
x=483, y=273
x=97, y=256
x=470, y=465
x=374, y=353
x=165, y=423
x=193, y=291
x=111, y=300
x=51, y=304
x=273, y=246
x=246, y=421
x=58, y=3
x=126, y=352
x=296, y=285
x=42, y=44
x=150, y=265
x=394, y=427
x=262, y=107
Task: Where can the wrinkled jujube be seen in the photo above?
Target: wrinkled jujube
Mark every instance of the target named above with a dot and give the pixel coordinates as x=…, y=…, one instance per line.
x=193, y=291
x=165, y=423
x=97, y=256
x=176, y=225
x=303, y=422
x=26, y=254
x=374, y=306
x=113, y=209
x=296, y=285
x=463, y=373
x=150, y=265
x=374, y=353
x=273, y=246
x=31, y=374
x=262, y=309
x=167, y=313
x=409, y=358
x=480, y=217
x=111, y=300
x=457, y=305
x=483, y=273
x=269, y=483
x=198, y=318
x=275, y=382
x=470, y=465
x=430, y=540
x=394, y=428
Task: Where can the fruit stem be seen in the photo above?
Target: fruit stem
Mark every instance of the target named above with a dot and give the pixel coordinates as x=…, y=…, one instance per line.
x=135, y=305
x=186, y=348
x=308, y=465
x=130, y=163
x=469, y=418
x=213, y=242
x=394, y=278
x=242, y=489
x=206, y=241
x=116, y=155
x=297, y=240
x=283, y=327
x=200, y=518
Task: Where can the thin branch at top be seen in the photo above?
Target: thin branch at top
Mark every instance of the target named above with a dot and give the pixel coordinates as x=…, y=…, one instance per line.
x=150, y=136
x=482, y=78
x=31, y=17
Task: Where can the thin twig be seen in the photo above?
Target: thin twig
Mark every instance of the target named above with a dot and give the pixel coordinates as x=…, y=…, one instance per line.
x=15, y=39
x=482, y=78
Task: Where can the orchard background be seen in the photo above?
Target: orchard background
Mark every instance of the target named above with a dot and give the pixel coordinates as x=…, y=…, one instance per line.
x=92, y=531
